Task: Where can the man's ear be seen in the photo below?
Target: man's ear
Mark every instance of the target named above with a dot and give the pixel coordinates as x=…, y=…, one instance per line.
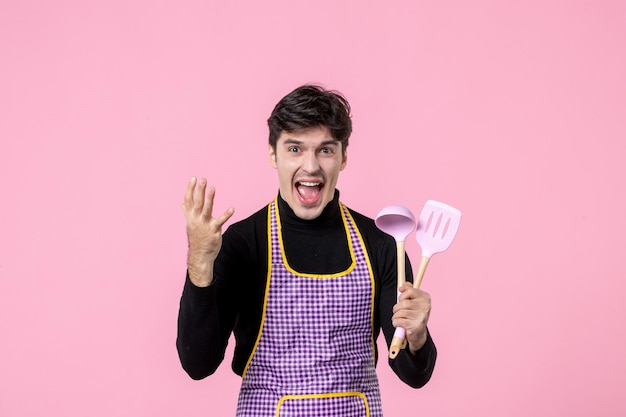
x=344, y=162
x=272, y=155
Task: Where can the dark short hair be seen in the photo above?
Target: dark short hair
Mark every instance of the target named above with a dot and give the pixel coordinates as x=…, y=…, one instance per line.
x=311, y=106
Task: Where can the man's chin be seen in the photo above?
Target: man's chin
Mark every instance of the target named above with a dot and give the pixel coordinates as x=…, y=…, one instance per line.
x=306, y=210
x=307, y=213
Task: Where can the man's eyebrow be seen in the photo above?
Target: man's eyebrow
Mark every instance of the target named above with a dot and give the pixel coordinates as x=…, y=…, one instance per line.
x=291, y=141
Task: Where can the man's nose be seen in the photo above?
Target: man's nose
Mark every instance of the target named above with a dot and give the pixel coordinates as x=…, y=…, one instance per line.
x=311, y=164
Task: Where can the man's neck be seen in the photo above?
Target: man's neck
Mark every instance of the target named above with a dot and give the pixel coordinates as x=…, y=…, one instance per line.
x=330, y=214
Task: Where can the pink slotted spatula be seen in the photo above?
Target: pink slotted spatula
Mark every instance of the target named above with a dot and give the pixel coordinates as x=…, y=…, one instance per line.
x=436, y=228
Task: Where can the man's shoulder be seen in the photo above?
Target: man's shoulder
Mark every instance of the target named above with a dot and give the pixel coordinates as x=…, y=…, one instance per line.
x=366, y=224
x=250, y=223
x=359, y=217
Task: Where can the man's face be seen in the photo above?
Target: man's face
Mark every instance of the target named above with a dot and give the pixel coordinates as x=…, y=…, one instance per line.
x=308, y=164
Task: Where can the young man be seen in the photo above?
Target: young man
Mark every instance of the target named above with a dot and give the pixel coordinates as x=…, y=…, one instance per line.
x=305, y=283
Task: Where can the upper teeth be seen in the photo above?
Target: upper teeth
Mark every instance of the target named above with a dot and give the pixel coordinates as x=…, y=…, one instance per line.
x=310, y=184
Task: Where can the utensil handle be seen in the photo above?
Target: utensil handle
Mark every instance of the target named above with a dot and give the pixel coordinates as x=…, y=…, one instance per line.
x=401, y=265
x=420, y=272
x=399, y=337
x=397, y=342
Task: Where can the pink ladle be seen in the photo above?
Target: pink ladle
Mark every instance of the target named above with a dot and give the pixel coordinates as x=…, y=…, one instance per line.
x=399, y=222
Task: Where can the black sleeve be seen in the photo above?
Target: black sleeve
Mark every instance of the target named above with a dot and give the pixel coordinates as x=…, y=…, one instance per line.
x=207, y=315
x=203, y=331
x=416, y=370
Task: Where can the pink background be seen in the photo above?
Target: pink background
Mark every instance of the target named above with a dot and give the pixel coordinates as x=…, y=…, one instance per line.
x=515, y=112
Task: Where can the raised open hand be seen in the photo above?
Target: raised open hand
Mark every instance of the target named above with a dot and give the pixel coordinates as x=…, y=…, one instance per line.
x=204, y=232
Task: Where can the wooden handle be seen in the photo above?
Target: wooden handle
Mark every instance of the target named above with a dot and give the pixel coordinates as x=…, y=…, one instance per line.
x=401, y=265
x=420, y=272
x=399, y=341
x=395, y=347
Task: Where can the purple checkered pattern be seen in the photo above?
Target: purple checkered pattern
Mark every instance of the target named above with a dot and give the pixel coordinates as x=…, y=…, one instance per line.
x=316, y=341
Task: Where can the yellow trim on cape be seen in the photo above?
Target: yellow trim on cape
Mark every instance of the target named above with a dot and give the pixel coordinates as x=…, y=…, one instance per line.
x=372, y=281
x=326, y=395
x=322, y=276
x=350, y=268
x=267, y=287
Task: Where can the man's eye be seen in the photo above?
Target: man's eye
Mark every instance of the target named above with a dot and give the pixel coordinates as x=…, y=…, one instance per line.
x=293, y=149
x=326, y=150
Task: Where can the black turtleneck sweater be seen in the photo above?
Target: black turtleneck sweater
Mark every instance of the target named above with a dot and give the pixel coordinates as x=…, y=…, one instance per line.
x=234, y=301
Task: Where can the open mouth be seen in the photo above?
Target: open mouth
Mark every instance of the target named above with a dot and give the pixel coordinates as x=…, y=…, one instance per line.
x=309, y=192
